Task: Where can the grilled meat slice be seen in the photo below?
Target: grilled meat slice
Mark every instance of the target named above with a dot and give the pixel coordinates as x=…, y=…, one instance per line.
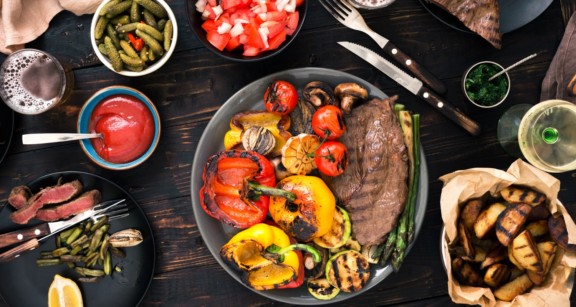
x=19, y=196
x=63, y=211
x=374, y=186
x=50, y=195
x=480, y=16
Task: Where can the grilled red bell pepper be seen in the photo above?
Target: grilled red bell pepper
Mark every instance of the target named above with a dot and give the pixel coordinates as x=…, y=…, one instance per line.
x=226, y=195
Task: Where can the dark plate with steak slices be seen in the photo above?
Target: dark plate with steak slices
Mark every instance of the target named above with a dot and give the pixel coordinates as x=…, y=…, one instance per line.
x=216, y=234
x=22, y=283
x=6, y=129
x=514, y=14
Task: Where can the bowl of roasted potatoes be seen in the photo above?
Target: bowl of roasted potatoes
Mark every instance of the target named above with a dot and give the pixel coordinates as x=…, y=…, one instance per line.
x=509, y=244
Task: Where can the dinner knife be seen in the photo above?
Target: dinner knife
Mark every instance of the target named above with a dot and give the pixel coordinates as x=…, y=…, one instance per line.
x=45, y=230
x=414, y=85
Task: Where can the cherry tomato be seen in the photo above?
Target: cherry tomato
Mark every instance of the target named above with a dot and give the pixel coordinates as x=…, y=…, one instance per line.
x=280, y=97
x=331, y=158
x=328, y=122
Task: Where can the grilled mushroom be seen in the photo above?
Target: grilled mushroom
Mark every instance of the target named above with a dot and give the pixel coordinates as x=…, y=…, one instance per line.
x=258, y=139
x=349, y=94
x=319, y=93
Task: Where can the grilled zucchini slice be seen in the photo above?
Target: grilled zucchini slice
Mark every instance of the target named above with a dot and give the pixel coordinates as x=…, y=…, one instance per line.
x=339, y=233
x=348, y=271
x=321, y=289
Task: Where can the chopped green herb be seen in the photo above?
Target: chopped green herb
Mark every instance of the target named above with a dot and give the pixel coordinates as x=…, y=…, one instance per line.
x=482, y=91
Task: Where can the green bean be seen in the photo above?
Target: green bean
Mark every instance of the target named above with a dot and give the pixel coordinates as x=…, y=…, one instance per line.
x=89, y=223
x=101, y=222
x=157, y=35
x=64, y=234
x=153, y=7
x=78, y=242
x=161, y=24
x=118, y=9
x=134, y=68
x=113, y=54
x=74, y=235
x=108, y=5
x=100, y=27
x=168, y=32
x=104, y=246
x=96, y=239
x=151, y=42
x=128, y=49
x=89, y=272
x=135, y=14
x=151, y=55
x=144, y=54
x=76, y=250
x=149, y=19
x=108, y=263
x=47, y=262
x=60, y=251
x=70, y=258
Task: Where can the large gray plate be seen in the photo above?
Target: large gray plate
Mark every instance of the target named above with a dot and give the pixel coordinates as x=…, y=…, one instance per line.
x=513, y=14
x=215, y=234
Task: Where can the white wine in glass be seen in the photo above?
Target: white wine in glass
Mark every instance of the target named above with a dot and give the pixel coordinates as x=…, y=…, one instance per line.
x=547, y=136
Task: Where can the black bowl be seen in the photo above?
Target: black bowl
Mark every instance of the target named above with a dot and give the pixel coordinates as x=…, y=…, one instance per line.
x=195, y=19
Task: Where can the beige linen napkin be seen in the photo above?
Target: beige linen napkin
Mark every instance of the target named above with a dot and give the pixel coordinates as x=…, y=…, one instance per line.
x=22, y=21
x=562, y=68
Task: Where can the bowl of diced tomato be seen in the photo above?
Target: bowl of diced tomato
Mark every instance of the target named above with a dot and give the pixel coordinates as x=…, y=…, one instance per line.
x=246, y=30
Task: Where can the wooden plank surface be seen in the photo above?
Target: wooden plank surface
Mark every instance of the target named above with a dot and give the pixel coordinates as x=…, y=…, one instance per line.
x=191, y=87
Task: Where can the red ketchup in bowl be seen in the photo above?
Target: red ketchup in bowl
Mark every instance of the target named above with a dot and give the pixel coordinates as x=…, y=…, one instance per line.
x=126, y=125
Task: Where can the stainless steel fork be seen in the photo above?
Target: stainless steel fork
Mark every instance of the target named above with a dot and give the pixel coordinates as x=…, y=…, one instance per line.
x=116, y=210
x=345, y=13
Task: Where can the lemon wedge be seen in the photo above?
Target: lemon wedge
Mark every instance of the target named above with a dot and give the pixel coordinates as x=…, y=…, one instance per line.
x=64, y=292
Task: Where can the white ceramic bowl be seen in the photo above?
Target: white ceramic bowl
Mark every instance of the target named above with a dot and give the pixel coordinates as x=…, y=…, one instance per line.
x=84, y=120
x=149, y=69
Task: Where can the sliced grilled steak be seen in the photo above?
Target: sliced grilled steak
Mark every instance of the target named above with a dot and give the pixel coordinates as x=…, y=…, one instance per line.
x=19, y=196
x=78, y=205
x=47, y=196
x=374, y=186
x=480, y=16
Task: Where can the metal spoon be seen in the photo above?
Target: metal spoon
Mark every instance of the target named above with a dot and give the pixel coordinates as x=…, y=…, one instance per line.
x=45, y=138
x=512, y=66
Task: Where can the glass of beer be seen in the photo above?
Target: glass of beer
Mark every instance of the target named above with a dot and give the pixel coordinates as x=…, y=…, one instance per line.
x=33, y=81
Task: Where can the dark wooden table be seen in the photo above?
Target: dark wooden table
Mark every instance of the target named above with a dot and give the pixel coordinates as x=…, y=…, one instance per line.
x=194, y=83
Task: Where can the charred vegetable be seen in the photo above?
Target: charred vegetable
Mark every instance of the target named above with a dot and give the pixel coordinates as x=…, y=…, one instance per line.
x=298, y=153
x=240, y=122
x=319, y=93
x=322, y=289
x=258, y=139
x=350, y=94
x=301, y=118
x=339, y=233
x=310, y=214
x=225, y=194
x=348, y=271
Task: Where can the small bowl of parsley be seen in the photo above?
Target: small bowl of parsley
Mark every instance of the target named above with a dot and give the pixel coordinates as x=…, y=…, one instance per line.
x=480, y=91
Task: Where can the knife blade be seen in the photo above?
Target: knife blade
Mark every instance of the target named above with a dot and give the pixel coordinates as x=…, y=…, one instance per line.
x=414, y=86
x=43, y=231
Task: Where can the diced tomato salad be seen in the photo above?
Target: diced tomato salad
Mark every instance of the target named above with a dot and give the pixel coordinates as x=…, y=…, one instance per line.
x=253, y=25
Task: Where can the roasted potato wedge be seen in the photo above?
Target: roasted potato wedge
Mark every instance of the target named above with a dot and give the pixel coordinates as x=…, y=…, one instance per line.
x=558, y=232
x=513, y=259
x=510, y=221
x=496, y=275
x=522, y=195
x=538, y=228
x=487, y=219
x=526, y=253
x=465, y=273
x=547, y=252
x=496, y=255
x=466, y=241
x=540, y=212
x=512, y=289
x=470, y=212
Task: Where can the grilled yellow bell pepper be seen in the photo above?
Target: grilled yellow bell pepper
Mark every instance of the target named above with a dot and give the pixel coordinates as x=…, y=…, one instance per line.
x=276, y=124
x=266, y=258
x=310, y=214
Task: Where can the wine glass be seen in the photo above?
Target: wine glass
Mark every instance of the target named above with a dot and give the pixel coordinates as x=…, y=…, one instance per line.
x=544, y=134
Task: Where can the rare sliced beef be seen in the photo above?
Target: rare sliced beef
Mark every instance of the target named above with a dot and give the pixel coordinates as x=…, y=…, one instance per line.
x=47, y=196
x=374, y=186
x=480, y=16
x=78, y=205
x=19, y=196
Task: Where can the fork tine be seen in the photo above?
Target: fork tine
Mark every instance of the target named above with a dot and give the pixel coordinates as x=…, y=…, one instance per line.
x=332, y=9
x=347, y=5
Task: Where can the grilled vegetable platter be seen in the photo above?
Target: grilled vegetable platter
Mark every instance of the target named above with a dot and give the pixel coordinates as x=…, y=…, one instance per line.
x=25, y=281
x=276, y=234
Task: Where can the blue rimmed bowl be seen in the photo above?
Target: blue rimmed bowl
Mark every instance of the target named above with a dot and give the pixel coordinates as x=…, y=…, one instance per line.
x=84, y=120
